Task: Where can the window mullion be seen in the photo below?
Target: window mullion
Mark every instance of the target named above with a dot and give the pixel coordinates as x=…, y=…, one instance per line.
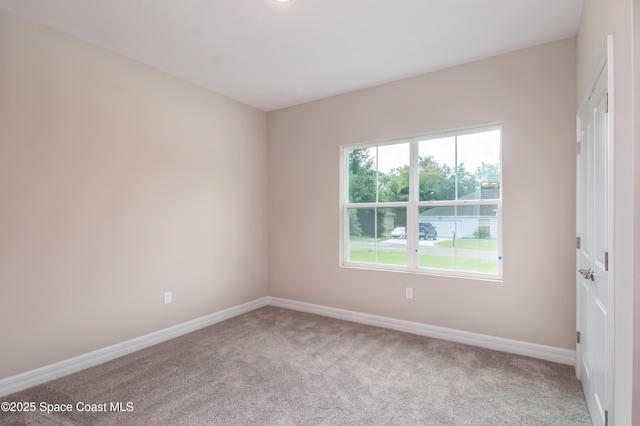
x=378, y=205
x=412, y=209
x=482, y=202
x=377, y=177
x=455, y=170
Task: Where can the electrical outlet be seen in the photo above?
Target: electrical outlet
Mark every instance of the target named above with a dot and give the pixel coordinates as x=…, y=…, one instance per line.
x=167, y=297
x=409, y=293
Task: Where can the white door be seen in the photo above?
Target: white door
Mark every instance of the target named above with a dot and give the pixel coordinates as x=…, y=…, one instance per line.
x=593, y=229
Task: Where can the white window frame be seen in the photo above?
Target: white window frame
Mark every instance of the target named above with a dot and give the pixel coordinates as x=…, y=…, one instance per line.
x=413, y=206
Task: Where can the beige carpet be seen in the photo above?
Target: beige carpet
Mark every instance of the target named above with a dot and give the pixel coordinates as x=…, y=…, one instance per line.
x=274, y=366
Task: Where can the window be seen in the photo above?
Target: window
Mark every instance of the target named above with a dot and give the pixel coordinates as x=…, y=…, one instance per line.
x=426, y=204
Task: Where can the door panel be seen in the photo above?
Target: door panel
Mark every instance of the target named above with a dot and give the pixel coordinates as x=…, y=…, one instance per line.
x=592, y=255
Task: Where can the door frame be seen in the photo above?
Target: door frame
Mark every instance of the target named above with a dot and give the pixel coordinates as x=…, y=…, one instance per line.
x=606, y=61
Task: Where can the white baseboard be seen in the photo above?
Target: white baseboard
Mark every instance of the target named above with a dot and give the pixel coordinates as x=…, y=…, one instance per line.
x=72, y=365
x=548, y=353
x=44, y=374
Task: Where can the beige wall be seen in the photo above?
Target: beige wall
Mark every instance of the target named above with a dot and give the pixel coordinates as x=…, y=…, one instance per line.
x=117, y=183
x=532, y=92
x=601, y=18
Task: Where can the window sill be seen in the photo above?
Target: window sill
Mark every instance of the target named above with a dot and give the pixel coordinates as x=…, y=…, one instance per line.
x=495, y=278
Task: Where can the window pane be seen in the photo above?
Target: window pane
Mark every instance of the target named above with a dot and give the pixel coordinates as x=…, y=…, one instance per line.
x=466, y=240
x=378, y=235
x=362, y=175
x=393, y=168
x=392, y=246
x=478, y=169
x=437, y=161
x=431, y=251
x=362, y=241
x=477, y=242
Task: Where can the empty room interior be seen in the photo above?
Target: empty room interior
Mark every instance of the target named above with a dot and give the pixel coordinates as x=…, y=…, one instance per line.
x=301, y=195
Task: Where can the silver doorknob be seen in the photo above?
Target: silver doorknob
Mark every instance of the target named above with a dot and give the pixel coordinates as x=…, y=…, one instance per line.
x=586, y=273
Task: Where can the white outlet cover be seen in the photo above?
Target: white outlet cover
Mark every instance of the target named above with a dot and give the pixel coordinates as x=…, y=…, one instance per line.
x=167, y=297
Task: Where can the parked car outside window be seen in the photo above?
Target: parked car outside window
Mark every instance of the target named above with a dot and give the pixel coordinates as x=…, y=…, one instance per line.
x=426, y=231
x=399, y=232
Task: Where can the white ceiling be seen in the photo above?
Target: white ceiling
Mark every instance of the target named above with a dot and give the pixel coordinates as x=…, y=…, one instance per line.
x=271, y=55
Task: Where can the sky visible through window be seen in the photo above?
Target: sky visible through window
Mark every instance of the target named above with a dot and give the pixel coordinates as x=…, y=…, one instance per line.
x=484, y=149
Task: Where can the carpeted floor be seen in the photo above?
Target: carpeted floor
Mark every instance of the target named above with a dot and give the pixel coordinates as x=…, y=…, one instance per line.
x=275, y=366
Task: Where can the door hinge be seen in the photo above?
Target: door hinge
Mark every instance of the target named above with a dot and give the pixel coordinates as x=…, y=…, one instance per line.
x=577, y=337
x=577, y=242
x=606, y=102
x=606, y=417
x=578, y=147
x=606, y=261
